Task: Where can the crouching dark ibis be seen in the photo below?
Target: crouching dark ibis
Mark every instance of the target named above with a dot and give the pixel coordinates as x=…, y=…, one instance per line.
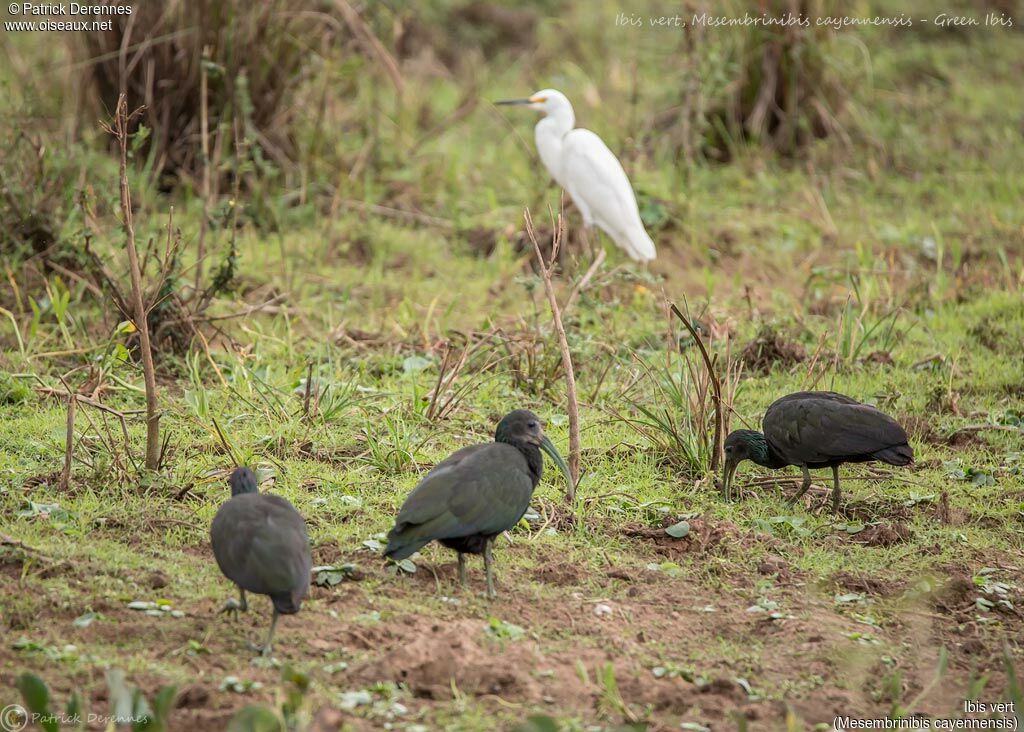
x=818, y=429
x=261, y=545
x=467, y=500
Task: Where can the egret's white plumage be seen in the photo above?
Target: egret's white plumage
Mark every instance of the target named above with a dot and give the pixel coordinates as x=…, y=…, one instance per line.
x=582, y=164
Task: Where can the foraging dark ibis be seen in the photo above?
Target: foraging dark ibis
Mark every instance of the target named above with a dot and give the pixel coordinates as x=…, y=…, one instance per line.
x=467, y=500
x=818, y=429
x=261, y=545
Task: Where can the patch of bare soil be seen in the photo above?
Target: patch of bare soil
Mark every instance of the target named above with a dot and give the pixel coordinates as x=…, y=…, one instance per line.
x=965, y=438
x=429, y=657
x=704, y=536
x=618, y=620
x=956, y=597
x=481, y=240
x=882, y=534
x=769, y=348
x=868, y=511
x=867, y=584
x=879, y=358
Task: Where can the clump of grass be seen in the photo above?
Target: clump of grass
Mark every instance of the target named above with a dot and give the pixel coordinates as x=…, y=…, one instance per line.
x=36, y=202
x=774, y=84
x=676, y=413
x=239, y=63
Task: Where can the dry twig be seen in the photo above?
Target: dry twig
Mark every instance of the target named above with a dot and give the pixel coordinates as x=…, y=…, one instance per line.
x=563, y=342
x=120, y=130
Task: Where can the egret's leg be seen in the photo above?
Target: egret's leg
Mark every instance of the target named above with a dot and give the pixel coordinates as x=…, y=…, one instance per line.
x=462, y=569
x=835, y=489
x=488, y=569
x=803, y=488
x=587, y=246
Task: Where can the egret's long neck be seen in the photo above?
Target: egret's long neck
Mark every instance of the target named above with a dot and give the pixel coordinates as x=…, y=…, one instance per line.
x=548, y=134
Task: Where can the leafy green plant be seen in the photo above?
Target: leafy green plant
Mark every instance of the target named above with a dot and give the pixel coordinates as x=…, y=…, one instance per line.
x=611, y=702
x=389, y=442
x=128, y=705
x=674, y=415
x=1013, y=687
x=504, y=630
x=861, y=327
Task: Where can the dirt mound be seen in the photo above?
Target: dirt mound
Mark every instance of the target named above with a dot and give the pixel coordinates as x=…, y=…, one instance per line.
x=431, y=657
x=561, y=574
x=882, y=535
x=704, y=536
x=868, y=511
x=481, y=240
x=956, y=597
x=866, y=584
x=879, y=358
x=770, y=347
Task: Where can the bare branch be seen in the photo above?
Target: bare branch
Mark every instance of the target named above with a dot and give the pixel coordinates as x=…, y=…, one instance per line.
x=120, y=131
x=563, y=342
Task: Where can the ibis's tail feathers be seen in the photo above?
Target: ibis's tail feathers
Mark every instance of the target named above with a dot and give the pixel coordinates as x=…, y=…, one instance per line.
x=398, y=552
x=896, y=455
x=405, y=539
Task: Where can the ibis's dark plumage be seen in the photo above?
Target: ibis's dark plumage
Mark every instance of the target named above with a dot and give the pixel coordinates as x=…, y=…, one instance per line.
x=477, y=493
x=261, y=545
x=818, y=429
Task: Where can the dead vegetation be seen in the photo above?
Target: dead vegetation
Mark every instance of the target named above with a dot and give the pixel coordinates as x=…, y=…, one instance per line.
x=206, y=67
x=769, y=349
x=784, y=86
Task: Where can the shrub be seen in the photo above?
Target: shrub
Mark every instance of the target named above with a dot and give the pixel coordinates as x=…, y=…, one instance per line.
x=779, y=85
x=252, y=56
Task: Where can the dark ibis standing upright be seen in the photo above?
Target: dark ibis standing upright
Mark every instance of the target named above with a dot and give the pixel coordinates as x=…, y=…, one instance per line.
x=467, y=500
x=818, y=429
x=261, y=545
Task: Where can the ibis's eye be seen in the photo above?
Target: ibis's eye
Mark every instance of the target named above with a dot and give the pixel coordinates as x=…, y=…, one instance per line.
x=533, y=425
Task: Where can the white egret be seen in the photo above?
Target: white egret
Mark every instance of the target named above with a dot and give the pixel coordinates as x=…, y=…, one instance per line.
x=582, y=164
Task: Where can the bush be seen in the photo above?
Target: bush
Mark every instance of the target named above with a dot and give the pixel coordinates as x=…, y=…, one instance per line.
x=782, y=86
x=253, y=56
x=37, y=198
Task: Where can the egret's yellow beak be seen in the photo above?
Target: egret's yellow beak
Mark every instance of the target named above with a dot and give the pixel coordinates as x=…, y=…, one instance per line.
x=530, y=100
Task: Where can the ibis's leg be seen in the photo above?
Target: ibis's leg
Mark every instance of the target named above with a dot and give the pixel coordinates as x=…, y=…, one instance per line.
x=462, y=569
x=803, y=488
x=835, y=489
x=270, y=635
x=233, y=607
x=488, y=568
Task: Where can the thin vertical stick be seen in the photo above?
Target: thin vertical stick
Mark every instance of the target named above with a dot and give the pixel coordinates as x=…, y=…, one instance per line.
x=309, y=387
x=120, y=130
x=69, y=444
x=563, y=342
x=204, y=138
x=585, y=279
